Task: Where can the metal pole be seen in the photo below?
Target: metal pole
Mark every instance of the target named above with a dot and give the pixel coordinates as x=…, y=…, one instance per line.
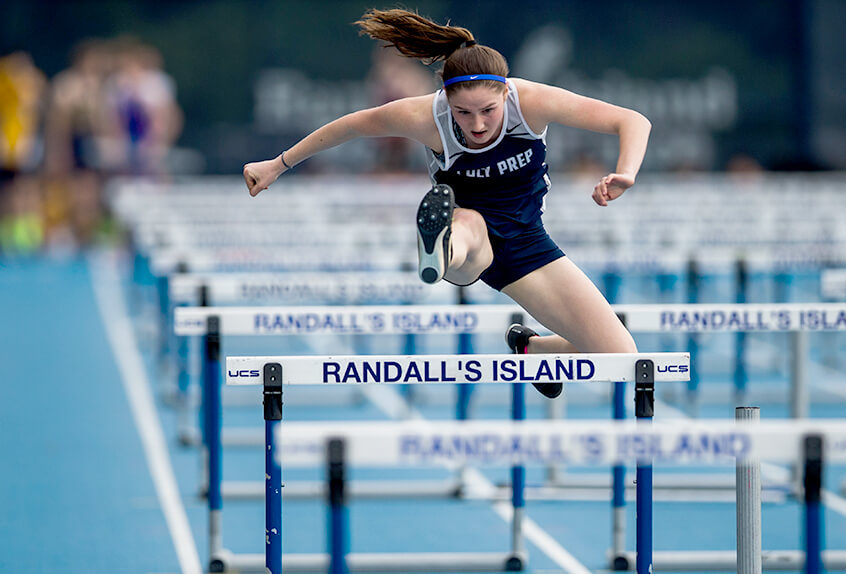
x=644, y=411
x=273, y=487
x=694, y=280
x=748, y=480
x=741, y=377
x=409, y=348
x=464, y=391
x=211, y=383
x=164, y=328
x=618, y=499
x=813, y=456
x=666, y=287
x=799, y=375
x=799, y=399
x=204, y=410
x=518, y=474
x=182, y=381
x=465, y=347
x=618, y=481
x=555, y=411
x=337, y=509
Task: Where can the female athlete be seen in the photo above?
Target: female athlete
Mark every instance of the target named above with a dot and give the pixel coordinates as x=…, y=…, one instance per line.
x=484, y=135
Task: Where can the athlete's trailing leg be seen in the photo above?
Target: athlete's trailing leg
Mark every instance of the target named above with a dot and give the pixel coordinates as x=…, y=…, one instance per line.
x=562, y=298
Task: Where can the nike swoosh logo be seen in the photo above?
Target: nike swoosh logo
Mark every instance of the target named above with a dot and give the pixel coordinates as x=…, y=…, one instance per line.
x=473, y=77
x=508, y=131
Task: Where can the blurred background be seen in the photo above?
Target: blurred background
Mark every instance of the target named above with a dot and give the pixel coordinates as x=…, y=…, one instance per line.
x=160, y=89
x=124, y=128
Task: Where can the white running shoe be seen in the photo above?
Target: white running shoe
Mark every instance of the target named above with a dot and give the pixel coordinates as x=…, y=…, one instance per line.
x=434, y=227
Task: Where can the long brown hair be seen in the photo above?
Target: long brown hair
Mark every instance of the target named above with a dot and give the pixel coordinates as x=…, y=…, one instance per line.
x=418, y=37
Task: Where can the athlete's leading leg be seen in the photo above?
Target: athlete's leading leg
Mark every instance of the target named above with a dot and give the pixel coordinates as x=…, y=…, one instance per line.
x=452, y=242
x=470, y=248
x=561, y=297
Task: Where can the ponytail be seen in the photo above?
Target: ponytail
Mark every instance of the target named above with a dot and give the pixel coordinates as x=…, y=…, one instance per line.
x=413, y=35
x=417, y=37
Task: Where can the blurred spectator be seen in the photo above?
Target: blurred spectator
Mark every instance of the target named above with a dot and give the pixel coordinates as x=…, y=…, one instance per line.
x=744, y=167
x=148, y=117
x=21, y=91
x=391, y=77
x=113, y=111
x=76, y=119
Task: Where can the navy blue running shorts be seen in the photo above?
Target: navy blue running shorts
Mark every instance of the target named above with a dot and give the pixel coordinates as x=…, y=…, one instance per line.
x=516, y=257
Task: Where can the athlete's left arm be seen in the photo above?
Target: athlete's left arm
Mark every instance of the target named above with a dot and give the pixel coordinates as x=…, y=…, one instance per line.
x=543, y=105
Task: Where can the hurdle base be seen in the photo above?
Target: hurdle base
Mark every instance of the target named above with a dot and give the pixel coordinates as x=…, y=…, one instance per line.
x=366, y=489
x=454, y=488
x=598, y=494
x=382, y=562
x=663, y=482
x=726, y=560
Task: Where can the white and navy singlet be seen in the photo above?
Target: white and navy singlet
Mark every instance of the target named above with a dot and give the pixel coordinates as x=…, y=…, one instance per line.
x=506, y=182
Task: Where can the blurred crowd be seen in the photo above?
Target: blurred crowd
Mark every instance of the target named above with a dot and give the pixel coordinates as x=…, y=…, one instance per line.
x=113, y=111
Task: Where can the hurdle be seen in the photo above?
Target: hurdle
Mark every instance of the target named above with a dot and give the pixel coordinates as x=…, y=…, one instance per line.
x=742, y=442
x=493, y=318
x=169, y=261
x=274, y=372
x=285, y=288
x=461, y=320
x=233, y=258
x=795, y=319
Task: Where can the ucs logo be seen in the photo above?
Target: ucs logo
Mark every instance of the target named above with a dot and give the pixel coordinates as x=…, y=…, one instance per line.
x=244, y=373
x=673, y=369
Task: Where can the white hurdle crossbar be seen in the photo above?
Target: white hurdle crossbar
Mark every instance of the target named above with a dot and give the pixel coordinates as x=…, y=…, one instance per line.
x=452, y=369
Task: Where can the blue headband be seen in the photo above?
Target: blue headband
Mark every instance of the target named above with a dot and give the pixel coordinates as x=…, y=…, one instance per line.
x=457, y=79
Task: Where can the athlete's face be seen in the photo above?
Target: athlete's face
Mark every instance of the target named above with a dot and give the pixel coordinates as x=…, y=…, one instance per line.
x=478, y=111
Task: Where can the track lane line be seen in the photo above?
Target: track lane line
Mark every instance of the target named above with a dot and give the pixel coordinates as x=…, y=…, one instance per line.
x=121, y=337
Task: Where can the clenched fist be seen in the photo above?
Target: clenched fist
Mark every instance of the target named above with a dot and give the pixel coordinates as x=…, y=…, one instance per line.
x=260, y=174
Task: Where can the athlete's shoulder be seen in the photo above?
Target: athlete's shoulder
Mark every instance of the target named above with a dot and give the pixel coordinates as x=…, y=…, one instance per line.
x=532, y=99
x=412, y=110
x=527, y=90
x=414, y=104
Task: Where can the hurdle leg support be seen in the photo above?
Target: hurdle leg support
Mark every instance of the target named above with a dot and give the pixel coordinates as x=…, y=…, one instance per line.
x=385, y=562
x=644, y=411
x=212, y=416
x=726, y=560
x=273, y=471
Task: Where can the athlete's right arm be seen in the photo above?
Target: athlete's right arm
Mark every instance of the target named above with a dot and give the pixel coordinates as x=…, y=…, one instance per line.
x=409, y=117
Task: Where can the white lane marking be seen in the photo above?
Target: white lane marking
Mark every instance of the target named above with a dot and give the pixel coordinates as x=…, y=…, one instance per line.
x=121, y=338
x=390, y=403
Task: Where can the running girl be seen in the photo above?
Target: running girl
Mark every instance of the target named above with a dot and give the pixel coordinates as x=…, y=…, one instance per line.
x=484, y=135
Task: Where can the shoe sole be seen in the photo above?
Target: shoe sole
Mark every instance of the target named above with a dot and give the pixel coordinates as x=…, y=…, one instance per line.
x=434, y=228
